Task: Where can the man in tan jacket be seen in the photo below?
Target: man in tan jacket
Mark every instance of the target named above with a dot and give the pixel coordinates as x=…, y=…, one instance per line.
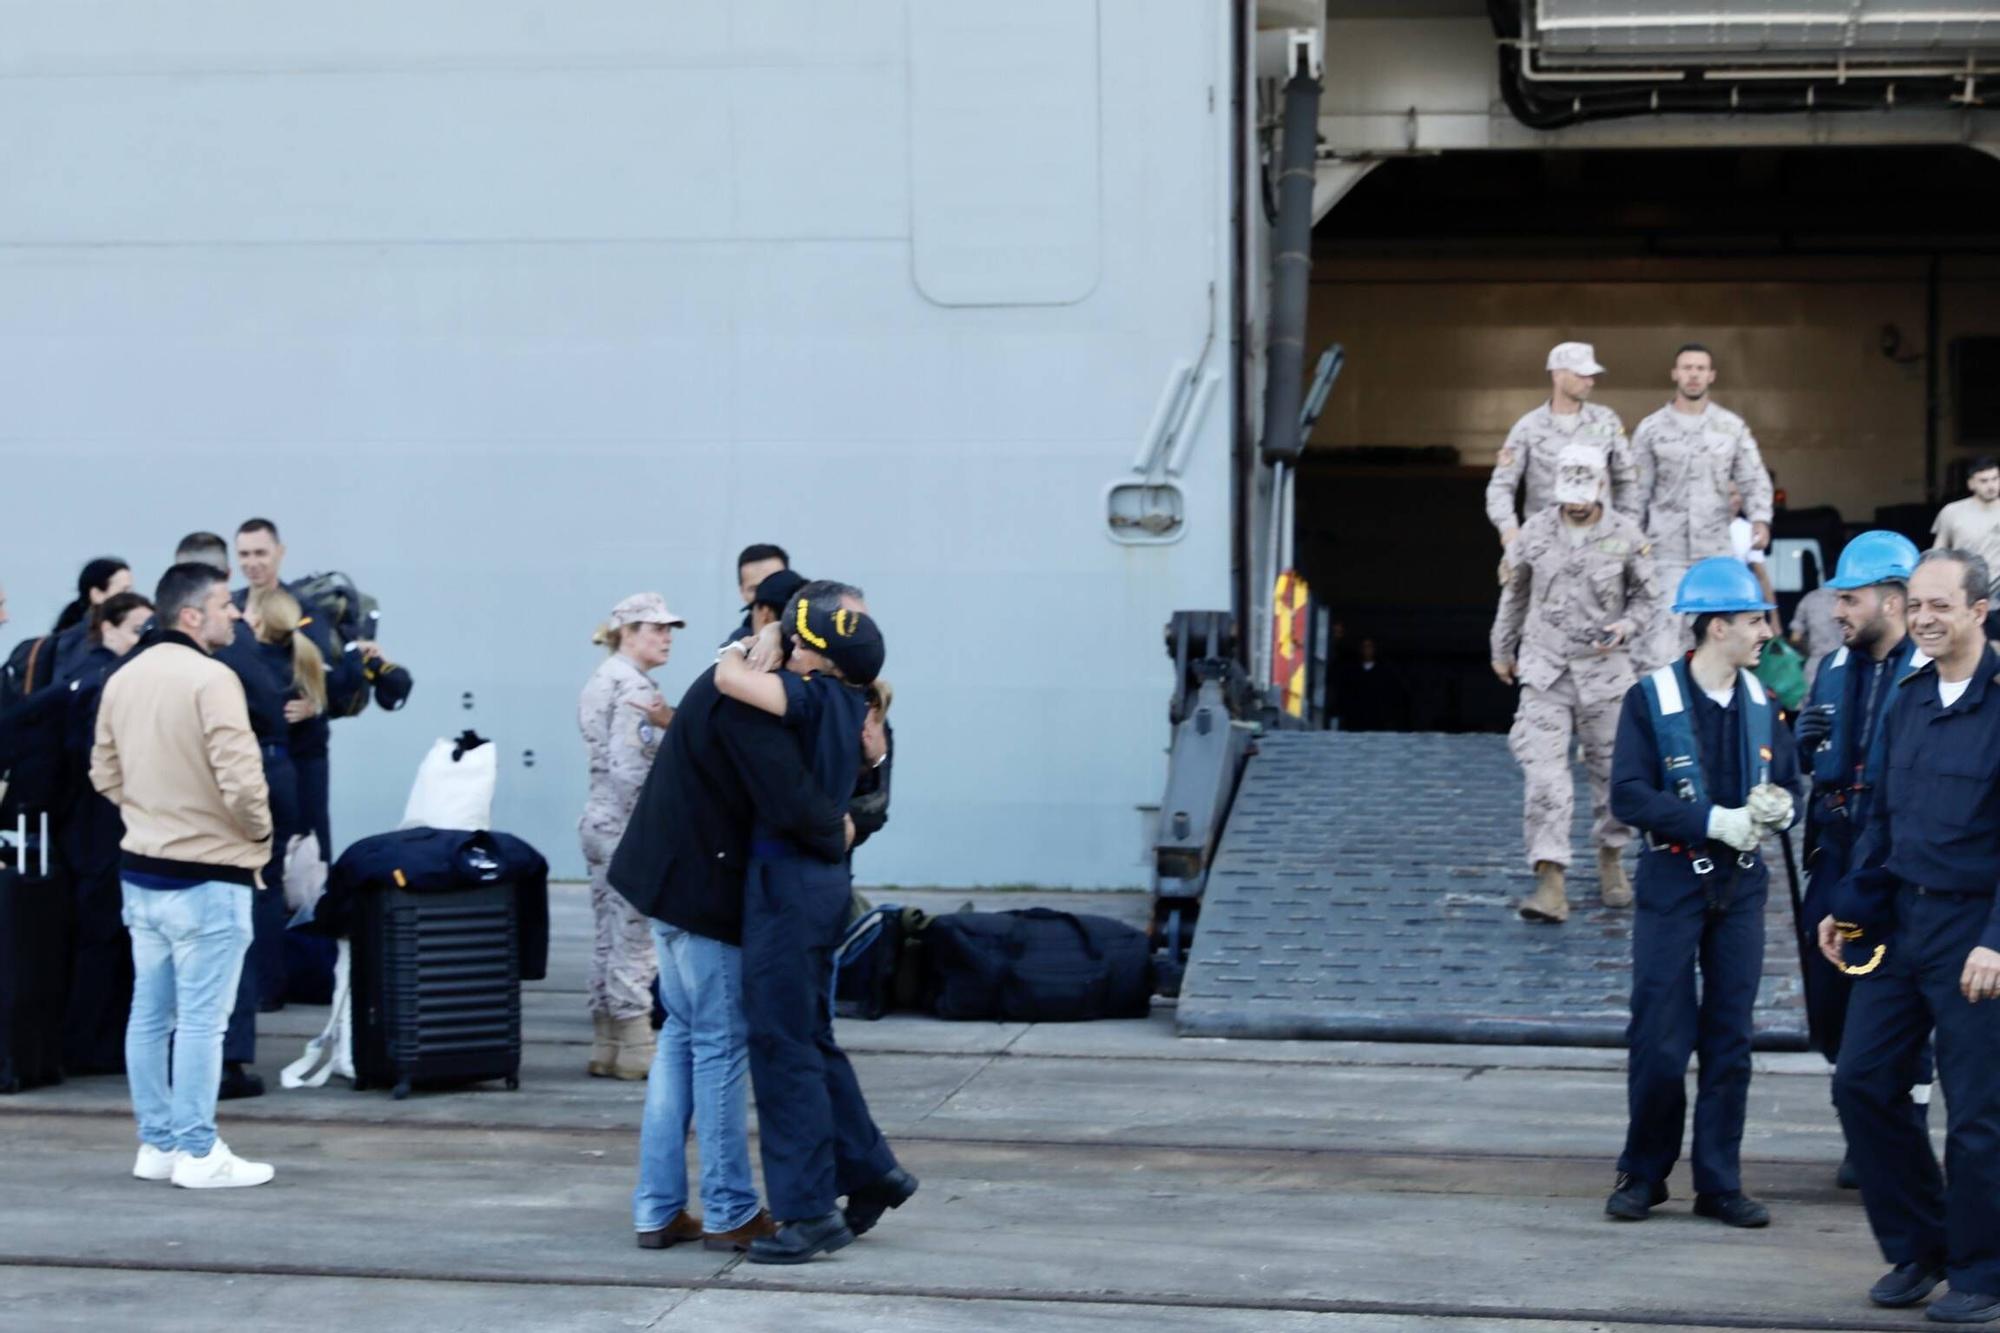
x=175, y=753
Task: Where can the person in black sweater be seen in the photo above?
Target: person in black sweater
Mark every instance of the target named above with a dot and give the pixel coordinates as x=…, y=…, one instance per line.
x=722, y=768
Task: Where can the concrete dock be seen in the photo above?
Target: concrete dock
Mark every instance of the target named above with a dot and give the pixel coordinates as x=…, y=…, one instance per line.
x=1074, y=1177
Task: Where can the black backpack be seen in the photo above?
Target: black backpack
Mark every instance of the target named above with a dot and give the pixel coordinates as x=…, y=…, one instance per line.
x=1036, y=966
x=30, y=667
x=879, y=964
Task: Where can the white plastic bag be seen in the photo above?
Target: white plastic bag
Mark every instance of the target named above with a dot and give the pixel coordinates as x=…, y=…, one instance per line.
x=305, y=876
x=454, y=793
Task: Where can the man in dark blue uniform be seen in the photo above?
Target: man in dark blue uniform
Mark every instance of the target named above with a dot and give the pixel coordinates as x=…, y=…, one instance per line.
x=1920, y=908
x=1836, y=732
x=1703, y=770
x=265, y=699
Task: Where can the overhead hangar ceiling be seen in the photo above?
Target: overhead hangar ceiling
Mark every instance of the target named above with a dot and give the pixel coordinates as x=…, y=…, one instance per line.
x=1612, y=33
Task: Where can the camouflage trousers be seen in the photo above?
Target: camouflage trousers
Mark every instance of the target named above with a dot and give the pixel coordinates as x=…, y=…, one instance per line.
x=1671, y=634
x=623, y=964
x=1544, y=725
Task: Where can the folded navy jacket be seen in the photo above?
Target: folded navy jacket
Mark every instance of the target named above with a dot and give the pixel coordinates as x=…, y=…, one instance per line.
x=434, y=860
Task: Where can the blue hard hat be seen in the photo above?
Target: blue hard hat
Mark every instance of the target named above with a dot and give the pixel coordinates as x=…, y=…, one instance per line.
x=1719, y=585
x=1875, y=557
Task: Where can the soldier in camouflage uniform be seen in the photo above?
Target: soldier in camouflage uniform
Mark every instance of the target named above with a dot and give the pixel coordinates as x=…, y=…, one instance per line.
x=622, y=716
x=1691, y=455
x=1537, y=438
x=1580, y=586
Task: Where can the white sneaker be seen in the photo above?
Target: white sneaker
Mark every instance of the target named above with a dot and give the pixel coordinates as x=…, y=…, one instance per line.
x=220, y=1170
x=155, y=1163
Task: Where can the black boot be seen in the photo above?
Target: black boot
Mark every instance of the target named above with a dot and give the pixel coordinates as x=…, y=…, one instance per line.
x=1847, y=1177
x=866, y=1205
x=238, y=1082
x=1633, y=1199
x=798, y=1242
x=1735, y=1208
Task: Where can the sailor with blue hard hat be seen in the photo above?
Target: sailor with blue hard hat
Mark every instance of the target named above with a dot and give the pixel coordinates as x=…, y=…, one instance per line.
x=1837, y=732
x=1704, y=770
x=1918, y=921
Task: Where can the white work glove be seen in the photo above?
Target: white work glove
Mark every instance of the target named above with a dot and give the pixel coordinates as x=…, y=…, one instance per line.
x=1770, y=805
x=1734, y=826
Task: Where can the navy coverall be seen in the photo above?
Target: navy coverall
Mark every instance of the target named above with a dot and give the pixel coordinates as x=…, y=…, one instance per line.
x=1858, y=688
x=815, y=1134
x=1935, y=826
x=1682, y=919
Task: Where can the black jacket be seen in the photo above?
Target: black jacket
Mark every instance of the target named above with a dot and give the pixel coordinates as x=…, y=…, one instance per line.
x=722, y=767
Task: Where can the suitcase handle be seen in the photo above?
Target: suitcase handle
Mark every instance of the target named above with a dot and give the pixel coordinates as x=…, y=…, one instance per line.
x=1051, y=914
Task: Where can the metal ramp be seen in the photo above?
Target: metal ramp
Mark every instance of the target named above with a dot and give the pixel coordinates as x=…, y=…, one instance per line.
x=1363, y=890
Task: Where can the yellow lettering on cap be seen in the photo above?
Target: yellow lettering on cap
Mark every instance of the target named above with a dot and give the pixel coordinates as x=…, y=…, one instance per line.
x=804, y=633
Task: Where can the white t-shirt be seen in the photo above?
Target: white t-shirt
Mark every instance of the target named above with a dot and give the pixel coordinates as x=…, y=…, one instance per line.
x=1740, y=537
x=1949, y=691
x=1971, y=526
x=1723, y=697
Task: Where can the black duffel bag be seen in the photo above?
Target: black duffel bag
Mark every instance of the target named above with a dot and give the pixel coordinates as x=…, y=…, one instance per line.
x=1036, y=966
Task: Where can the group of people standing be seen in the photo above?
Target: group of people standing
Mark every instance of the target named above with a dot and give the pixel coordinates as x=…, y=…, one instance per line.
x=1894, y=761
x=719, y=834
x=1586, y=580
x=178, y=747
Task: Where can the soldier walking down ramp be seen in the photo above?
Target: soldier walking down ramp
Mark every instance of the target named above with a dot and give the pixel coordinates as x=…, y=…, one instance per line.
x=622, y=719
x=1537, y=438
x=1579, y=587
x=1691, y=455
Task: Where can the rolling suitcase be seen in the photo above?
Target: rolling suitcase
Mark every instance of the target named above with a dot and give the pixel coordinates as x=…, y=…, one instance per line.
x=437, y=987
x=36, y=915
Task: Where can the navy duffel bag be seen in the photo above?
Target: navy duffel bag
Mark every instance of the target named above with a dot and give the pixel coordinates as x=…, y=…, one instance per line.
x=1036, y=966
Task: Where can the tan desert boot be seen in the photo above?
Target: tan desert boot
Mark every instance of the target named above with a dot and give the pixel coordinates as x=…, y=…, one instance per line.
x=603, y=1046
x=1548, y=903
x=1612, y=885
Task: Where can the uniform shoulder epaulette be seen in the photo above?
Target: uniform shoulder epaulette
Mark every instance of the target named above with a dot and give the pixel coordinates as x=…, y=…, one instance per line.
x=1915, y=672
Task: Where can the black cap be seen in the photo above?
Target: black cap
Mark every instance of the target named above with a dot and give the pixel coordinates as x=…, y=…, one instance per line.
x=851, y=640
x=778, y=589
x=392, y=687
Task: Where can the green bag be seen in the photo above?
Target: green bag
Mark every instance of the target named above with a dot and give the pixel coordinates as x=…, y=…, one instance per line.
x=1783, y=670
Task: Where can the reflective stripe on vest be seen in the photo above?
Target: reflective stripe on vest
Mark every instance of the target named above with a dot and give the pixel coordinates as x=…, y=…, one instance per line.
x=1667, y=692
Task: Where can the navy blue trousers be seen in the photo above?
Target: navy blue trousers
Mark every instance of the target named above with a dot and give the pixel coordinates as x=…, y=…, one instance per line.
x=1674, y=932
x=815, y=1135
x=1916, y=1215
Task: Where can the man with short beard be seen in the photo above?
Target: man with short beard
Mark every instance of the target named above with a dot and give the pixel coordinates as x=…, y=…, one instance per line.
x=1579, y=587
x=1836, y=733
x=1568, y=417
x=1689, y=455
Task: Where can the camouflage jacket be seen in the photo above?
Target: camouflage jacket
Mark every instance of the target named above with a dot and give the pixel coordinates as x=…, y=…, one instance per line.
x=1530, y=452
x=621, y=741
x=1559, y=597
x=1686, y=466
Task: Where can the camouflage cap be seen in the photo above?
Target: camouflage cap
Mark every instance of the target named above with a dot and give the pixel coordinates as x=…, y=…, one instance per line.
x=643, y=608
x=1579, y=475
x=1580, y=358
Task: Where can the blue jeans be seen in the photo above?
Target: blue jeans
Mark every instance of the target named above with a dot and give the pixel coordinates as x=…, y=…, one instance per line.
x=187, y=953
x=699, y=1073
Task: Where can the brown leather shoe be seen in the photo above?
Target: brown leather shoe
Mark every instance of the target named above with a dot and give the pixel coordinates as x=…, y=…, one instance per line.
x=740, y=1238
x=682, y=1228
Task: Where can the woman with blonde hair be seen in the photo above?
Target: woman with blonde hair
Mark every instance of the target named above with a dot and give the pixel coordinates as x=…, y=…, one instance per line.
x=299, y=672
x=621, y=716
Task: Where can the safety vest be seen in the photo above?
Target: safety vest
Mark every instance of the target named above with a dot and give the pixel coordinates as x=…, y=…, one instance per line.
x=1847, y=779
x=1667, y=693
